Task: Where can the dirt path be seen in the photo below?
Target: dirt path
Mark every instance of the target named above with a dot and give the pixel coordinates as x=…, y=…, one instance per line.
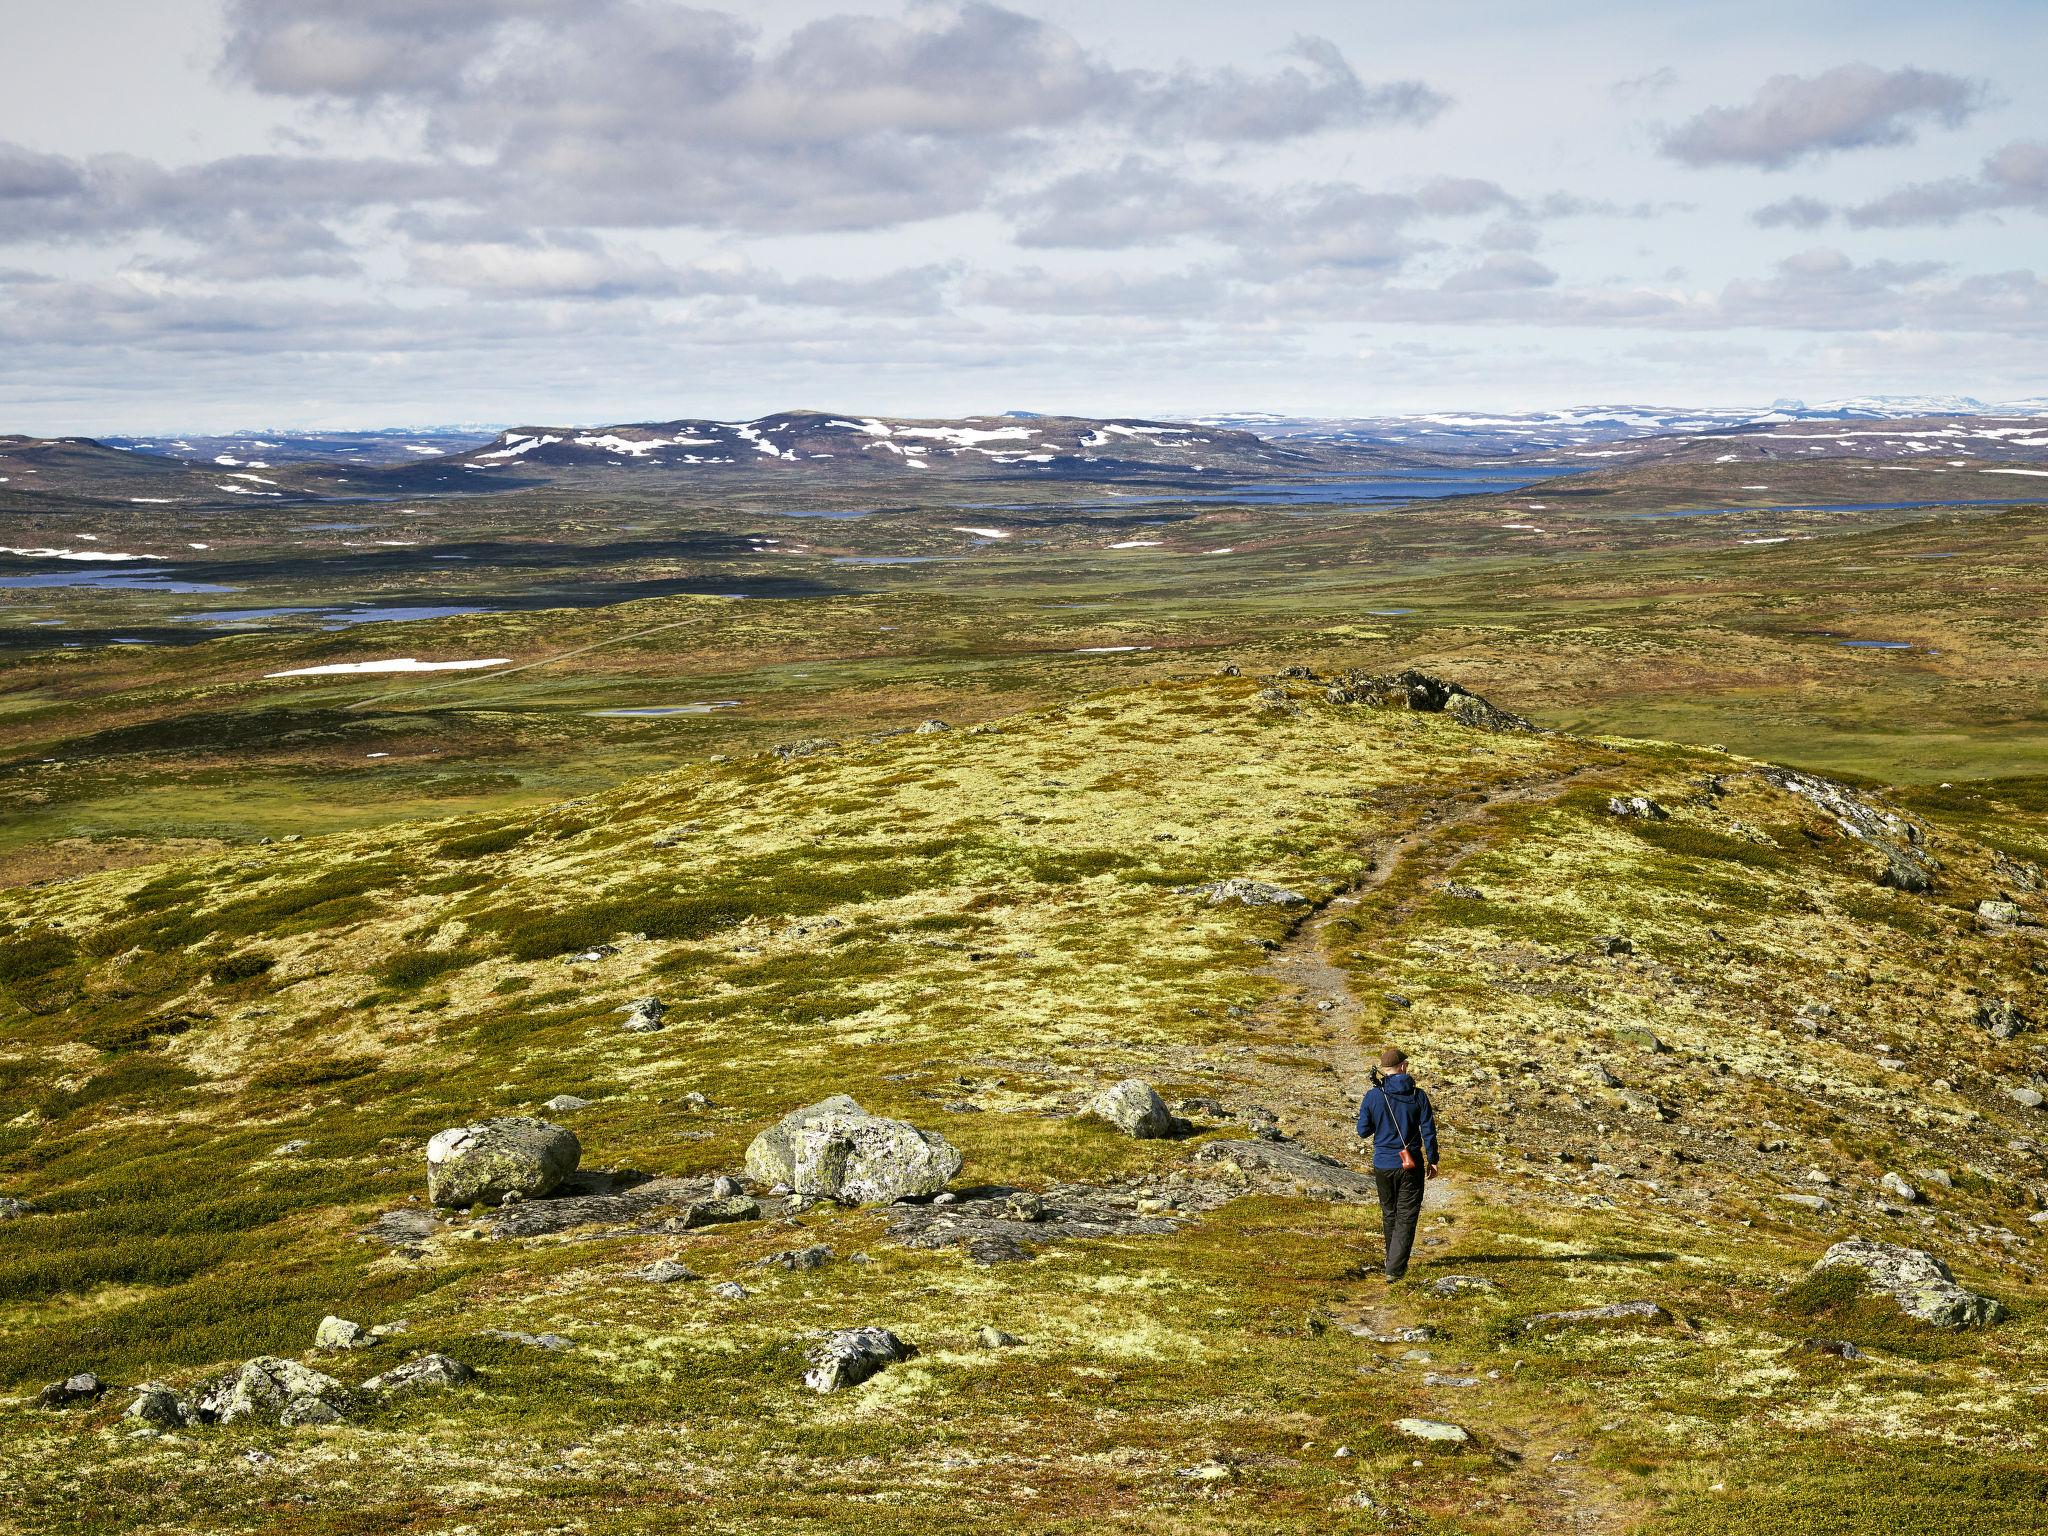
x=1559, y=1495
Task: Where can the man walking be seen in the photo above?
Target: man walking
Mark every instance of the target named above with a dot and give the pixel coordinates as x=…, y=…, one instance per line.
x=1397, y=1116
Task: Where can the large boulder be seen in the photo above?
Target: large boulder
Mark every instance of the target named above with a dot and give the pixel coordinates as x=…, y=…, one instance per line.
x=836, y=1150
x=851, y=1356
x=1919, y=1282
x=273, y=1389
x=1134, y=1107
x=513, y=1155
x=435, y=1370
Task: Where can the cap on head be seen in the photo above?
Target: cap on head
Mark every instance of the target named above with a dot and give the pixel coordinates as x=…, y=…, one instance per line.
x=1393, y=1059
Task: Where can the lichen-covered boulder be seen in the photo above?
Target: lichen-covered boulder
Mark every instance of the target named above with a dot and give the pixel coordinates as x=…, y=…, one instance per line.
x=339, y=1333
x=271, y=1388
x=513, y=1155
x=836, y=1150
x=435, y=1370
x=1919, y=1282
x=1249, y=893
x=851, y=1356
x=1134, y=1107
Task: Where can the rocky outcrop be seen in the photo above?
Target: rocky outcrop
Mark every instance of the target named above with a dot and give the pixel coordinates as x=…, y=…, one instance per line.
x=1292, y=1168
x=643, y=1015
x=836, y=1150
x=1135, y=1108
x=1901, y=859
x=1247, y=893
x=1919, y=1282
x=273, y=1390
x=1416, y=690
x=482, y=1164
x=1645, y=1314
x=424, y=1373
x=2002, y=1018
x=851, y=1356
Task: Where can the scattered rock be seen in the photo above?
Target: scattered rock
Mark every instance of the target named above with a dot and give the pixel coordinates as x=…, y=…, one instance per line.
x=851, y=1356
x=337, y=1333
x=1459, y=891
x=994, y=1338
x=666, y=1272
x=1135, y=1108
x=1461, y=1285
x=708, y=1213
x=1247, y=893
x=563, y=1103
x=1292, y=1168
x=1437, y=1379
x=2003, y=912
x=730, y=1290
x=1644, y=1313
x=13, y=1208
x=1616, y=944
x=1897, y=1184
x=931, y=728
x=795, y=1259
x=2002, y=1018
x=804, y=748
x=1919, y=1282
x=590, y=956
x=1434, y=1431
x=724, y=1187
x=1636, y=808
x=837, y=1150
x=548, y=1341
x=273, y=1389
x=1421, y=691
x=1841, y=1349
x=434, y=1370
x=1022, y=1205
x=643, y=1015
x=157, y=1406
x=482, y=1164
x=84, y=1387
x=1899, y=844
x=1938, y=1177
x=2025, y=1097
x=290, y=1148
x=1211, y=1471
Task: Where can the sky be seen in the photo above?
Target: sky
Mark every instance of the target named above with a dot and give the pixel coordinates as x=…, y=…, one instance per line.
x=220, y=214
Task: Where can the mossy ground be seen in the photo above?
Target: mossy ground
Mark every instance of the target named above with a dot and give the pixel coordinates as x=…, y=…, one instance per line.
x=1000, y=917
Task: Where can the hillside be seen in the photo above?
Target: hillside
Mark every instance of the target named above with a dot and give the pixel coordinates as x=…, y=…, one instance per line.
x=1679, y=1048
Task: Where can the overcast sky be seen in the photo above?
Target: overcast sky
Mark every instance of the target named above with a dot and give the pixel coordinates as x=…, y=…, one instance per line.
x=222, y=213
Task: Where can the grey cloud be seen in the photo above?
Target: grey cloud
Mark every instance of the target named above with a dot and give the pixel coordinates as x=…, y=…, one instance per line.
x=1320, y=90
x=1645, y=86
x=1500, y=271
x=1854, y=106
x=1793, y=213
x=2014, y=177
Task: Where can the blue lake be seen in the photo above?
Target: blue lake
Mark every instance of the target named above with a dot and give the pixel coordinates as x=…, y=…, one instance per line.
x=123, y=578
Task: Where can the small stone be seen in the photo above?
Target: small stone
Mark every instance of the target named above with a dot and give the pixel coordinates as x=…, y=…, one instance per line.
x=432, y=1370
x=730, y=1290
x=1999, y=912
x=1022, y=1205
x=1135, y=1108
x=931, y=728
x=706, y=1213
x=2002, y=1018
x=725, y=1187
x=1460, y=1285
x=1897, y=1184
x=563, y=1103
x=643, y=1015
x=1938, y=1177
x=1435, y=1431
x=1636, y=808
x=12, y=1208
x=694, y=1100
x=795, y=1259
x=2025, y=1097
x=1645, y=1313
x=156, y=1406
x=1616, y=944
x=290, y=1148
x=851, y=1355
x=994, y=1338
x=666, y=1272
x=84, y=1387
x=1206, y=1472
x=1248, y=893
x=337, y=1333
x=1841, y=1349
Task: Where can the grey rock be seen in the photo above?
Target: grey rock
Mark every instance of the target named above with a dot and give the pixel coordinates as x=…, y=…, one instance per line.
x=1437, y=1379
x=1248, y=893
x=1841, y=1349
x=2006, y=912
x=427, y=1371
x=1814, y=1203
x=157, y=1406
x=1899, y=845
x=290, y=1148
x=548, y=1341
x=990, y=1337
x=563, y=1103
x=2025, y=1097
x=1639, y=1313
x=1897, y=1184
x=852, y=1355
x=804, y=748
x=1433, y=1431
x=1022, y=1205
x=730, y=1290
x=1616, y=944
x=1636, y=808
x=724, y=1187
x=591, y=956
x=666, y=1272
x=643, y=1015
x=709, y=1213
x=837, y=1151
x=481, y=1164
x=336, y=1333
x=1461, y=1285
x=84, y=1387
x=1459, y=891
x=273, y=1389
x=12, y=1208
x=1919, y=1282
x=1938, y=1177
x=1135, y=1108
x=795, y=1259
x=1291, y=1168
x=931, y=728
x=2002, y=1018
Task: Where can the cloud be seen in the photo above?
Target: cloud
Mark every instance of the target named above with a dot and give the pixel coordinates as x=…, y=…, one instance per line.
x=2014, y=177
x=1502, y=270
x=1317, y=91
x=1793, y=213
x=1854, y=106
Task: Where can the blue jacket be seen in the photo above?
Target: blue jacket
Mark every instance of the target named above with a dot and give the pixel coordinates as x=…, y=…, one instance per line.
x=1394, y=1113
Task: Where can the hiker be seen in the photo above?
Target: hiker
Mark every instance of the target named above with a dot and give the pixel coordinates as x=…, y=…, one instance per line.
x=1396, y=1115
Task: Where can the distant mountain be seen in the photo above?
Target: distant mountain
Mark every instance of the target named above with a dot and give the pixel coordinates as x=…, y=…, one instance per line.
x=269, y=448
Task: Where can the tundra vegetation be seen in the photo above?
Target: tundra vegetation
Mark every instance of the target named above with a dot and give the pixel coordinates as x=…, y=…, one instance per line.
x=1687, y=1025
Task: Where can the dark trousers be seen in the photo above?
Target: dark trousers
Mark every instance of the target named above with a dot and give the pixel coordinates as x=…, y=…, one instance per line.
x=1400, y=1208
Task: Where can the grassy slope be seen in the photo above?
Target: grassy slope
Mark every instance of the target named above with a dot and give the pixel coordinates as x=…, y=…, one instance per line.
x=993, y=917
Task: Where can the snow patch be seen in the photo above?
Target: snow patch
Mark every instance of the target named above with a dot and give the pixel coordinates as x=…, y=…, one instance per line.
x=394, y=664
